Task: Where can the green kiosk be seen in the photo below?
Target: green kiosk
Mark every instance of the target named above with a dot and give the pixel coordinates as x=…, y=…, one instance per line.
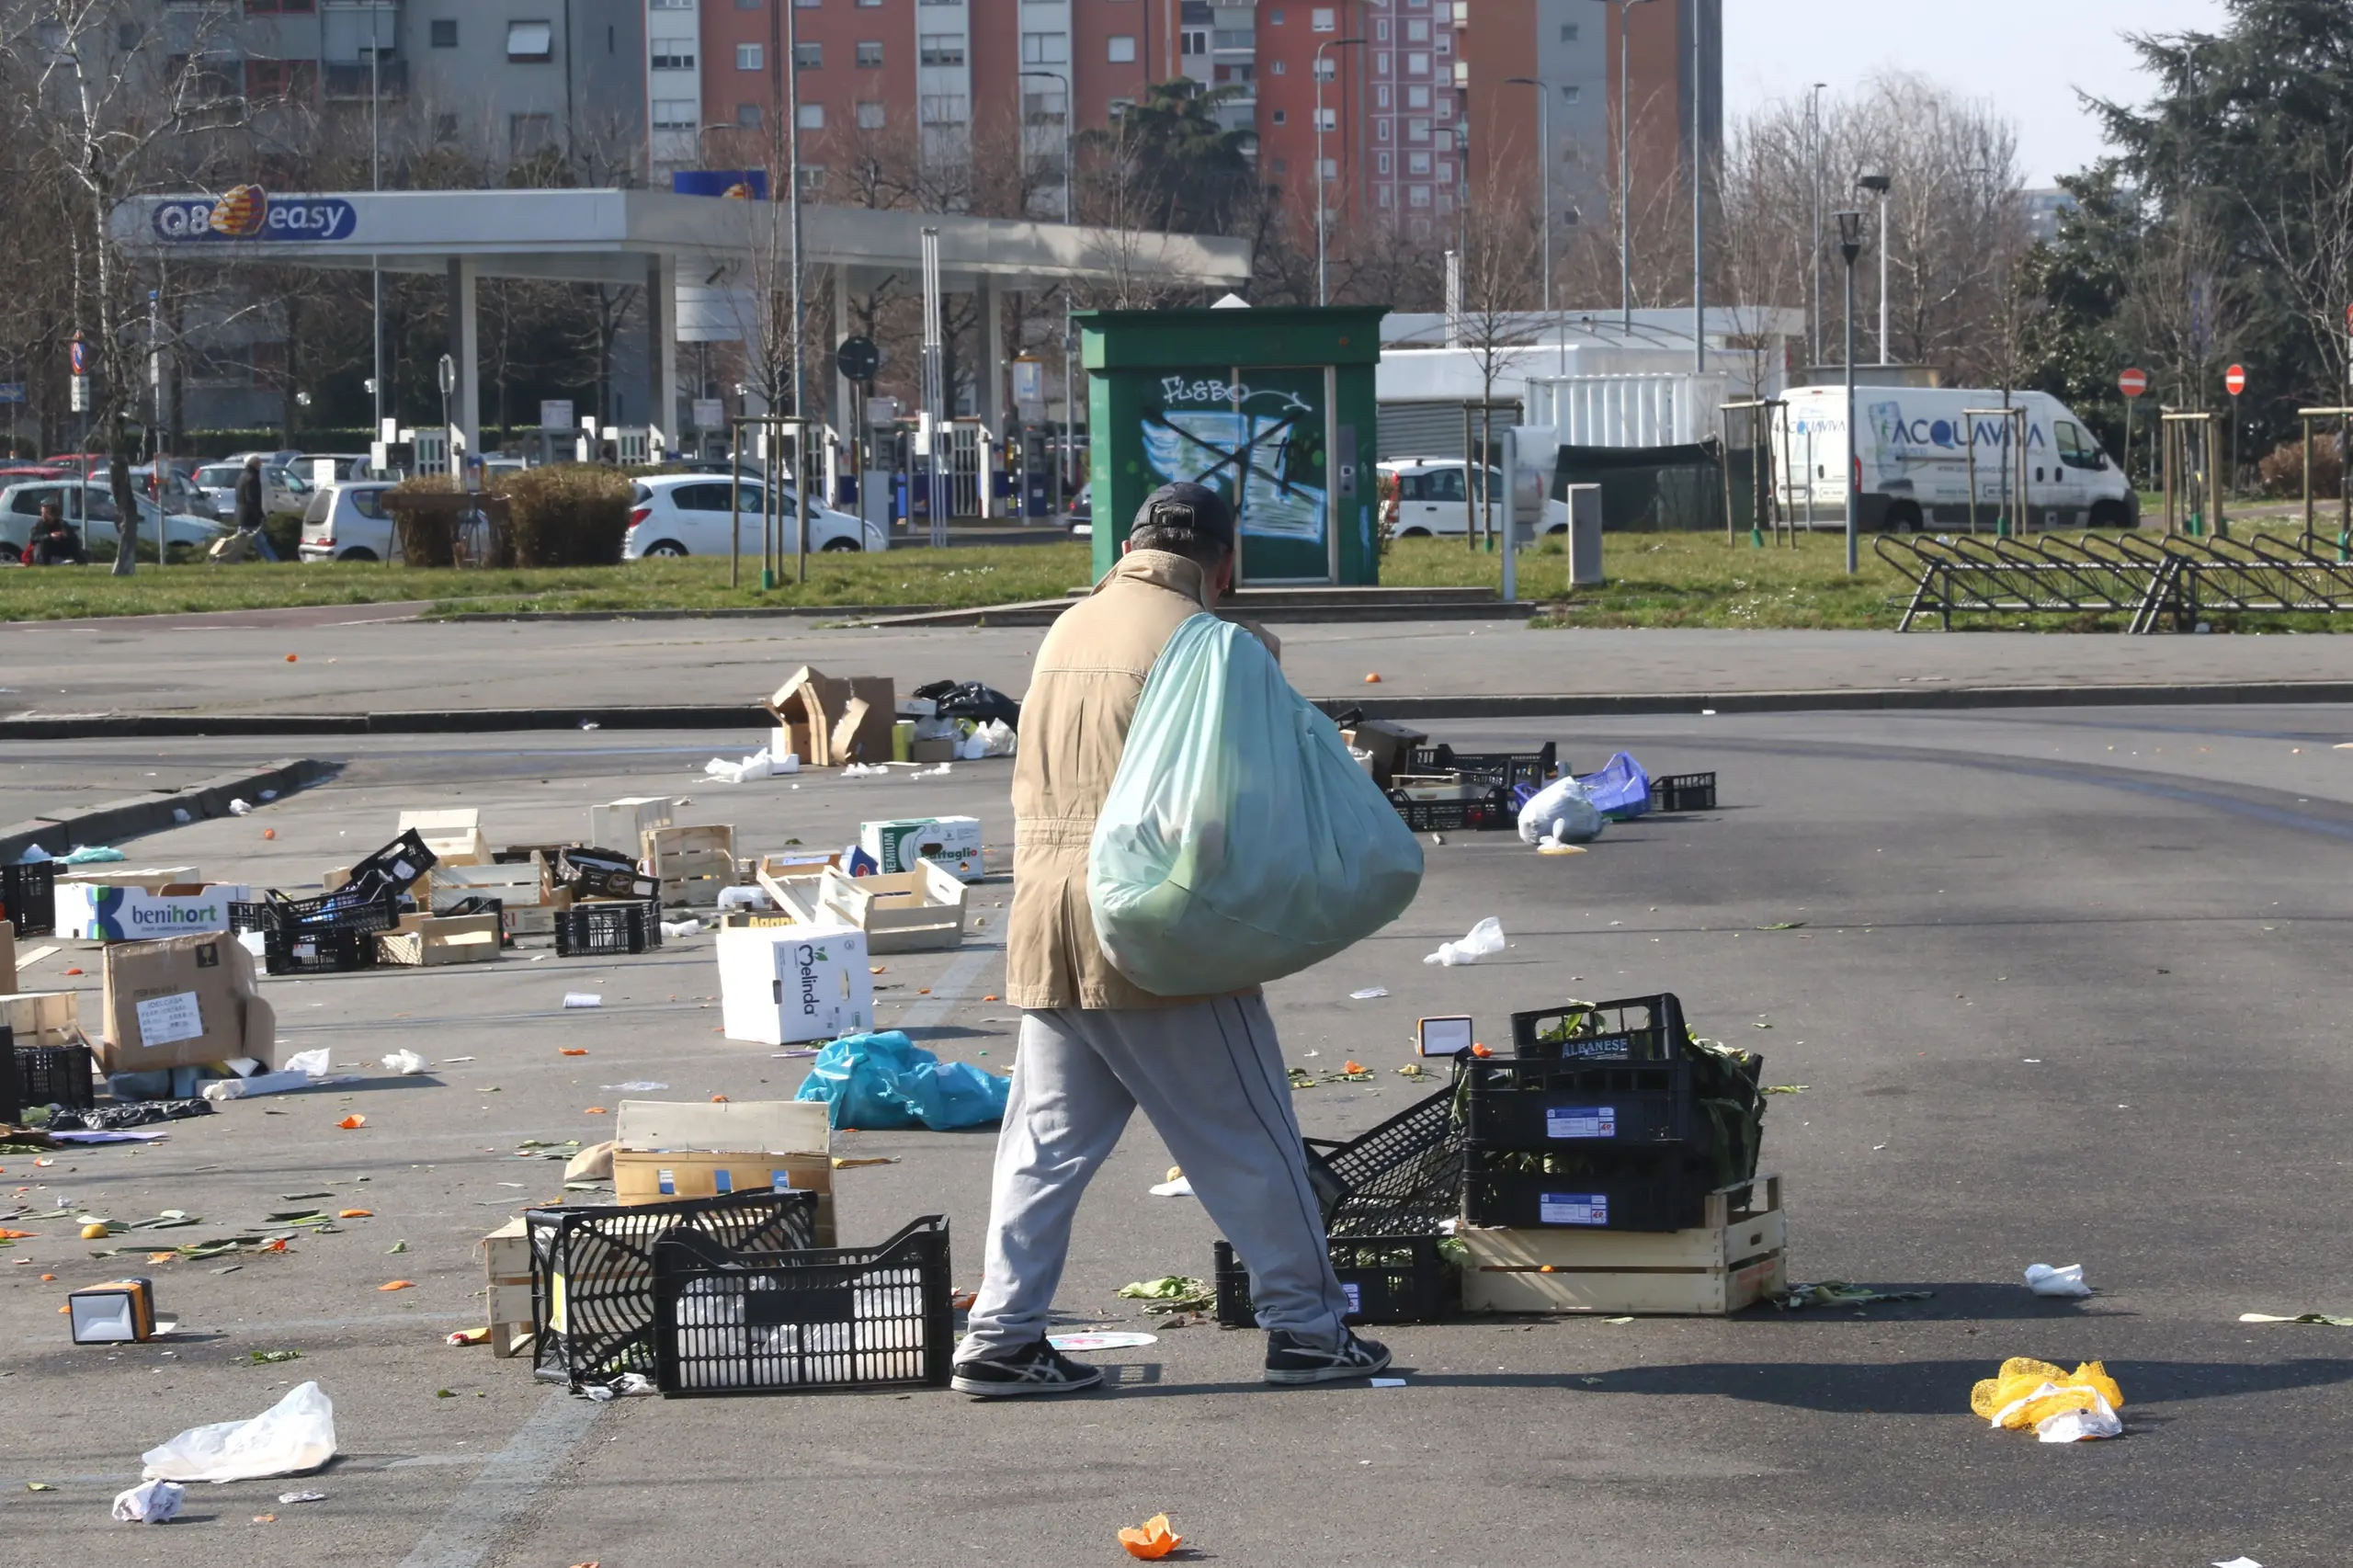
x=1272, y=408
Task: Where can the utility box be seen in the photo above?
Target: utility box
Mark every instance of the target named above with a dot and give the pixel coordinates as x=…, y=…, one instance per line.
x=1272, y=408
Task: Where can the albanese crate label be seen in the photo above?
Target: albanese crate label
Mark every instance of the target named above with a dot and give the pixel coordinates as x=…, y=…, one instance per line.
x=1581, y=1121
x=1573, y=1208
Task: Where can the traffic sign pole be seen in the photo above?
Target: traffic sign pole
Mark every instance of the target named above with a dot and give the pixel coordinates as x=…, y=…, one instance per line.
x=2233, y=383
x=2131, y=383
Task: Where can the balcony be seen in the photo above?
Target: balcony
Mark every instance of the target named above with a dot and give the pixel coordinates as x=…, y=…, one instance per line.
x=387, y=78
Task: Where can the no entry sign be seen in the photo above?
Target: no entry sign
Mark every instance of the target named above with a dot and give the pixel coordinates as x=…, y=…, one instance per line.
x=2133, y=383
x=2234, y=380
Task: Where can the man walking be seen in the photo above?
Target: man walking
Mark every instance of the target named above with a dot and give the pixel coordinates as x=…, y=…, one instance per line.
x=249, y=509
x=1206, y=1070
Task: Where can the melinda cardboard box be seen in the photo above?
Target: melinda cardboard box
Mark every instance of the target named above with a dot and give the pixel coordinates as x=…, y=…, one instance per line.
x=953, y=842
x=790, y=984
x=104, y=912
x=182, y=1002
x=664, y=1151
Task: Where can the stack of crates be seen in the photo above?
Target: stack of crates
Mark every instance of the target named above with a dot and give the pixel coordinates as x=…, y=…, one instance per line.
x=1446, y=791
x=616, y=907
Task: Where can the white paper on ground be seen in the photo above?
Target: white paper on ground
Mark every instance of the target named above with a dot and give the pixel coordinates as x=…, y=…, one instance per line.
x=2045, y=1281
x=151, y=1503
x=407, y=1063
x=583, y=999
x=1113, y=1341
x=1369, y=994
x=222, y=1090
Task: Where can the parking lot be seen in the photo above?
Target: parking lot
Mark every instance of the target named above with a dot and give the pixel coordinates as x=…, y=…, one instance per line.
x=2059, y=987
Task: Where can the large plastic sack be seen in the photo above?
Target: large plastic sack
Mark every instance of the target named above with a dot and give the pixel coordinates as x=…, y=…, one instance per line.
x=879, y=1081
x=295, y=1434
x=1561, y=811
x=1239, y=842
x=1618, y=788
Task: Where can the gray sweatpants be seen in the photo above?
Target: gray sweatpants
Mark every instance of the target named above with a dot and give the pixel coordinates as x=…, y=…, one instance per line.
x=1210, y=1076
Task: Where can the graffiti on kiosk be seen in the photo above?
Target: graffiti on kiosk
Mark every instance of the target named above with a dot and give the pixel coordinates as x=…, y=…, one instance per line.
x=1214, y=393
x=249, y=212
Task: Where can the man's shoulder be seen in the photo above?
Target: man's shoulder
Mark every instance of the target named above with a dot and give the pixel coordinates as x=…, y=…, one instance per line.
x=1126, y=620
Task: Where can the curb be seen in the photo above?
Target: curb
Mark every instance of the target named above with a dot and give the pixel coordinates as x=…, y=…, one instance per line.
x=741, y=717
x=1045, y=613
x=859, y=614
x=137, y=814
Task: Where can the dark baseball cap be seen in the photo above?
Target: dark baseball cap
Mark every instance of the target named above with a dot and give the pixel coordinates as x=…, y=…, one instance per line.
x=1187, y=507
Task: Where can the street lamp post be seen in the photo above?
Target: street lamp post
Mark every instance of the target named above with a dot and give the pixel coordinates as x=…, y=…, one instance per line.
x=376, y=182
x=1544, y=176
x=1069, y=176
x=1850, y=245
x=1879, y=185
x=1814, y=257
x=1322, y=289
x=1625, y=174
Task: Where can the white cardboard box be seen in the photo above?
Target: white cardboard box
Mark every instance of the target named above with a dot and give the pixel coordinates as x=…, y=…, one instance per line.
x=790, y=984
x=94, y=911
x=953, y=842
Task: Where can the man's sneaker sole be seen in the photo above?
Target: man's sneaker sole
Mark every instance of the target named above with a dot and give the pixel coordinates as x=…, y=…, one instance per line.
x=986, y=1388
x=1334, y=1373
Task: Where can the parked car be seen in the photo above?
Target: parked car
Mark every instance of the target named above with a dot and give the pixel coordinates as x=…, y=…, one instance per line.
x=88, y=505
x=347, y=465
x=1434, y=498
x=347, y=521
x=685, y=513
x=285, y=487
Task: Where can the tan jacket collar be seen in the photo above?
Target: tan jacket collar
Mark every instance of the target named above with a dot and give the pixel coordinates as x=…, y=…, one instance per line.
x=1161, y=569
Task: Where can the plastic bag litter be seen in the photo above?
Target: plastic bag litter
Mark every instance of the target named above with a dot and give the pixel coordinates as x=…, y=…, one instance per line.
x=295, y=1434
x=2045, y=1281
x=865, y=770
x=313, y=1061
x=1618, y=788
x=745, y=898
x=1563, y=811
x=877, y=1082
x=996, y=738
x=1238, y=843
x=2061, y=1407
x=240, y=808
x=759, y=764
x=1483, y=940
x=405, y=1064
x=687, y=927
x=149, y=1503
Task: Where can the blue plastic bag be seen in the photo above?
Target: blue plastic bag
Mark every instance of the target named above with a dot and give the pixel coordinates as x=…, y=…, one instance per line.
x=879, y=1081
x=1239, y=841
x=1620, y=789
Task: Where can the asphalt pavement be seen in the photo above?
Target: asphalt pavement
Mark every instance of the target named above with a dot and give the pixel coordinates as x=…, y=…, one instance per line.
x=2060, y=987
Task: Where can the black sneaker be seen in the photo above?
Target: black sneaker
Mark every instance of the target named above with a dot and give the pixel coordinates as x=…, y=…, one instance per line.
x=1032, y=1368
x=1291, y=1360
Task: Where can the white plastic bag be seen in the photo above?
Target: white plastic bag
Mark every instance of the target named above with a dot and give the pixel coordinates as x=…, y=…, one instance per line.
x=312, y=1062
x=2045, y=1281
x=405, y=1064
x=1483, y=940
x=997, y=737
x=149, y=1503
x=295, y=1434
x=1562, y=812
x=1238, y=843
x=745, y=898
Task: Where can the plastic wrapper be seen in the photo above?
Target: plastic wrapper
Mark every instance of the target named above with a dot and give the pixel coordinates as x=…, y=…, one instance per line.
x=294, y=1435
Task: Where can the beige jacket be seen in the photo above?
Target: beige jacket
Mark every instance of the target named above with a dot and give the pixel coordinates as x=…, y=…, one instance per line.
x=1083, y=693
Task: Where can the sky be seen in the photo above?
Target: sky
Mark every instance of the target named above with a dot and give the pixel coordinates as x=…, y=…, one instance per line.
x=2029, y=58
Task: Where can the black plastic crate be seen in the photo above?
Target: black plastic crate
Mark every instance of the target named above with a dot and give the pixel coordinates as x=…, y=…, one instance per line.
x=53, y=1075
x=29, y=897
x=604, y=873
x=1388, y=1280
x=343, y=908
x=1684, y=792
x=482, y=904
x=1635, y=1029
x=1576, y=1105
x=1403, y=1177
x=1536, y=768
x=245, y=917
x=592, y=1272
x=394, y=868
x=11, y=1106
x=317, y=950
x=1582, y=1191
x=1486, y=813
x=733, y=1321
x=629, y=926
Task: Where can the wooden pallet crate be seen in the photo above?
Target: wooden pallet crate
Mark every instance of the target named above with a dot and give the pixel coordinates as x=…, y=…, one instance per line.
x=428, y=942
x=536, y=923
x=623, y=824
x=906, y=912
x=43, y=1018
x=455, y=836
x=507, y=1254
x=1734, y=1258
x=667, y=847
x=516, y=884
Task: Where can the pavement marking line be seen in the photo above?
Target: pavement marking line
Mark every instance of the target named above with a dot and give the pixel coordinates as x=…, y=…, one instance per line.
x=491, y=1504
x=950, y=988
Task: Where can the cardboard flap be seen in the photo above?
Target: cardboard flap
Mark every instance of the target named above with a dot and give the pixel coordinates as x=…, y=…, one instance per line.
x=843, y=740
x=261, y=1031
x=751, y=1127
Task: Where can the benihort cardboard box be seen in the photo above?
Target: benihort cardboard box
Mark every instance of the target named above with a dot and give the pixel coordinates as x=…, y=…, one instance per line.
x=183, y=1001
x=664, y=1151
x=96, y=912
x=953, y=842
x=790, y=984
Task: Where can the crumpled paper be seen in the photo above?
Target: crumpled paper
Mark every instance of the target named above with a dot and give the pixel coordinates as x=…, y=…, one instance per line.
x=2045, y=1281
x=2061, y=1407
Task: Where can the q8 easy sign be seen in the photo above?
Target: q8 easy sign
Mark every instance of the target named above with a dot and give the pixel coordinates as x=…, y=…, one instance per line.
x=249, y=212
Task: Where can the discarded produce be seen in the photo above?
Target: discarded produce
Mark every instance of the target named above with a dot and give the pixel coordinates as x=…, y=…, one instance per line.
x=2061, y=1407
x=1154, y=1539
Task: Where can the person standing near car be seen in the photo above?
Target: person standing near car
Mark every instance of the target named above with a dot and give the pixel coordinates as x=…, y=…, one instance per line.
x=1094, y=1046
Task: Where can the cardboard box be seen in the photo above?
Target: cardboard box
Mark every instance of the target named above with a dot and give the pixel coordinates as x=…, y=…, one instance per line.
x=506, y=1254
x=428, y=942
x=182, y=1002
x=664, y=1151
x=788, y=985
x=954, y=842
x=116, y=875
x=833, y=719
x=938, y=750
x=101, y=912
x=904, y=912
x=43, y=1018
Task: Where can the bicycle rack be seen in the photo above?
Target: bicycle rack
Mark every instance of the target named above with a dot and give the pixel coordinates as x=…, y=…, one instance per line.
x=2152, y=581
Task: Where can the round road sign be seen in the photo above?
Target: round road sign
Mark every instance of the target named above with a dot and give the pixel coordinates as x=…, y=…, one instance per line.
x=78, y=353
x=2133, y=383
x=857, y=358
x=2234, y=380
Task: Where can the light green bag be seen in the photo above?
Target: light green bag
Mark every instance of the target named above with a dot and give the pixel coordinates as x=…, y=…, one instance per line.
x=1240, y=841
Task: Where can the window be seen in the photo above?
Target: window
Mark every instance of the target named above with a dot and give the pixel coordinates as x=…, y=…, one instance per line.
x=673, y=54
x=1381, y=95
x=1570, y=93
x=1193, y=41
x=1381, y=31
x=445, y=128
x=941, y=49
x=812, y=116
x=289, y=79
x=942, y=109
x=1323, y=19
x=1049, y=49
x=1417, y=65
x=870, y=53
x=531, y=42
x=747, y=4
x=808, y=56
x=1417, y=97
x=1042, y=109
x=1327, y=118
x=1380, y=130
x=126, y=35
x=749, y=57
x=1417, y=30
x=669, y=4
x=1417, y=131
x=1120, y=50
x=1278, y=114
x=870, y=117
x=748, y=115
x=674, y=114
x=1282, y=166
x=1330, y=168
x=1417, y=196
x=1381, y=65
x=1442, y=140
x=1384, y=193
x=1274, y=20
x=1327, y=67
x=1234, y=38
x=1418, y=164
x=1446, y=171
x=529, y=133
x=1445, y=203
x=1381, y=163
x=444, y=32
x=1278, y=68
x=1568, y=32
x=281, y=7
x=1445, y=106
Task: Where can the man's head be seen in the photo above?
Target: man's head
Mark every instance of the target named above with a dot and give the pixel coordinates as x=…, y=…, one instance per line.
x=1193, y=521
x=51, y=520
x=252, y=464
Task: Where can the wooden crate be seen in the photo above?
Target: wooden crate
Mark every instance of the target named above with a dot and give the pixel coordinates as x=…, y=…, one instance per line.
x=1734, y=1259
x=534, y=923
x=791, y=878
x=666, y=847
x=507, y=1252
x=906, y=912
x=454, y=836
x=623, y=825
x=427, y=941
x=515, y=885
x=43, y=1018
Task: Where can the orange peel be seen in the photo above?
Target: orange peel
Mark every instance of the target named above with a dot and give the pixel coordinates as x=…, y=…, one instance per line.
x=1151, y=1541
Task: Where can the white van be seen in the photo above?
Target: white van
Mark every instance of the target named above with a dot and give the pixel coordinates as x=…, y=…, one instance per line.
x=1916, y=460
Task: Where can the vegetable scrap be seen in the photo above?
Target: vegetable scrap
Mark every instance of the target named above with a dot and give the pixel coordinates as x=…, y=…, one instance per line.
x=1154, y=1539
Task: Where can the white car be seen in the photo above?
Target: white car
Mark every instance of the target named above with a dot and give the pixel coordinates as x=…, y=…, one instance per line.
x=685, y=513
x=1434, y=498
x=283, y=488
x=347, y=521
x=89, y=506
